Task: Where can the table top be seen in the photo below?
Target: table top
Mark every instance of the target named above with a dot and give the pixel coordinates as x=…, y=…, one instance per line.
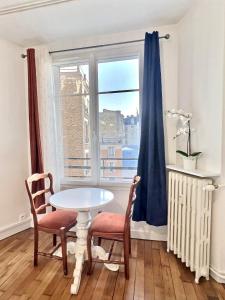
x=82, y=199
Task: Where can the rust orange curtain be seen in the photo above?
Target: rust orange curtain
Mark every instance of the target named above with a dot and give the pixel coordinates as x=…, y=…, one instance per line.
x=34, y=127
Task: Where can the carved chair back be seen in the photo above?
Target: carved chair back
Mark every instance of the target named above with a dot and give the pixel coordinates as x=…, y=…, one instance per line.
x=131, y=200
x=33, y=196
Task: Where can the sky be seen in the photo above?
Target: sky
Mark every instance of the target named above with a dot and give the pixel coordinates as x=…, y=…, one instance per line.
x=118, y=75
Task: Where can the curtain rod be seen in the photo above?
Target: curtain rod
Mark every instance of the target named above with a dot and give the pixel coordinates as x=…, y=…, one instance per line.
x=167, y=36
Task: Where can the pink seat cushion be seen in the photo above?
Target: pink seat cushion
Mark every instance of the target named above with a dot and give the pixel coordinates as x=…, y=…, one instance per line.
x=107, y=222
x=58, y=219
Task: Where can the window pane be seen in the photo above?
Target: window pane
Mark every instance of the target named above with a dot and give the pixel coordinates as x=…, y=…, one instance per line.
x=74, y=80
x=75, y=115
x=119, y=135
x=76, y=136
x=118, y=75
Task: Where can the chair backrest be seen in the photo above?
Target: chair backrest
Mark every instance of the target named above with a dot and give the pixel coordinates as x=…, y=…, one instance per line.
x=131, y=200
x=33, y=196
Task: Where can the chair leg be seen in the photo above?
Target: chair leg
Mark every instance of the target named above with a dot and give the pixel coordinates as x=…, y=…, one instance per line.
x=64, y=251
x=54, y=241
x=99, y=241
x=129, y=237
x=89, y=238
x=126, y=257
x=35, y=247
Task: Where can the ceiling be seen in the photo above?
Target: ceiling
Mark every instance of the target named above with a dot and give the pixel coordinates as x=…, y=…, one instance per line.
x=32, y=22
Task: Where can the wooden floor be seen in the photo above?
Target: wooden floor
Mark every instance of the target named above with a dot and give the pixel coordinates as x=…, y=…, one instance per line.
x=155, y=274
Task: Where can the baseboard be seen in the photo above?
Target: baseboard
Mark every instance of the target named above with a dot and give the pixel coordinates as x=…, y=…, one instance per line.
x=219, y=276
x=148, y=235
x=14, y=228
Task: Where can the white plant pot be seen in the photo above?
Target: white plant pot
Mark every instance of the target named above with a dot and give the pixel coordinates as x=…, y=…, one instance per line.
x=189, y=163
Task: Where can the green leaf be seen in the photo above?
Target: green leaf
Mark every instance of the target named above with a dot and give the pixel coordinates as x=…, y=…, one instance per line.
x=196, y=153
x=182, y=153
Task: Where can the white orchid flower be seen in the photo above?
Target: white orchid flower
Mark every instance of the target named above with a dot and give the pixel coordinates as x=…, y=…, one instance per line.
x=185, y=119
x=180, y=114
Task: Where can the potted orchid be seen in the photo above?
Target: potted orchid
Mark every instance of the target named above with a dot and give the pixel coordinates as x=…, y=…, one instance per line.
x=189, y=157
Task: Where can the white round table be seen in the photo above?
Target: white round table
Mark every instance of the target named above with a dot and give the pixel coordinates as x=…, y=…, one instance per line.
x=83, y=200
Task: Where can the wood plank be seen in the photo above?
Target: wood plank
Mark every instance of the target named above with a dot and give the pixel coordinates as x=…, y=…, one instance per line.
x=53, y=284
x=58, y=291
x=24, y=286
x=159, y=293
x=163, y=255
x=66, y=295
x=177, y=282
x=140, y=277
x=19, y=263
x=208, y=289
x=134, y=248
x=156, y=245
x=7, y=248
x=189, y=291
x=157, y=274
x=129, y=284
x=120, y=285
x=100, y=286
x=92, y=282
x=31, y=288
x=112, y=278
x=84, y=281
x=15, y=297
x=120, y=280
x=200, y=293
x=44, y=297
x=46, y=276
x=98, y=292
x=219, y=288
x=185, y=274
x=149, y=290
x=168, y=283
x=11, y=284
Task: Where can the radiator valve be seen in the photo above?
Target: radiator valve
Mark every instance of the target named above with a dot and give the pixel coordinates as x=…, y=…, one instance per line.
x=213, y=187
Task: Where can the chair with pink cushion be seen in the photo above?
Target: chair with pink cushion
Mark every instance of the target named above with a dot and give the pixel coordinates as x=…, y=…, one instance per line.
x=115, y=227
x=56, y=222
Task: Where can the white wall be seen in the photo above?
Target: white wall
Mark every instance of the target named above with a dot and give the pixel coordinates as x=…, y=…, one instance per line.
x=200, y=82
x=200, y=77
x=218, y=237
x=13, y=132
x=169, y=80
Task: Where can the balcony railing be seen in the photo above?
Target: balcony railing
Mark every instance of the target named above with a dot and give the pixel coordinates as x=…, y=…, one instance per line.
x=80, y=167
x=103, y=163
x=111, y=141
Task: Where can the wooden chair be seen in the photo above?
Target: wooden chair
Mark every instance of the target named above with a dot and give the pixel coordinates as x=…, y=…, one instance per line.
x=115, y=227
x=57, y=222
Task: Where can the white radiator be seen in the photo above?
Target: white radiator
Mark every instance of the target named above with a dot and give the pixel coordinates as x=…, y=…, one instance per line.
x=189, y=221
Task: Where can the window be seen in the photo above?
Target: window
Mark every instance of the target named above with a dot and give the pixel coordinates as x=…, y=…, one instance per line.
x=111, y=151
x=111, y=166
x=75, y=120
x=100, y=125
x=86, y=131
x=118, y=94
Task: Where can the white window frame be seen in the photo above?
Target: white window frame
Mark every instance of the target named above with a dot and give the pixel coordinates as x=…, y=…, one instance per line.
x=92, y=57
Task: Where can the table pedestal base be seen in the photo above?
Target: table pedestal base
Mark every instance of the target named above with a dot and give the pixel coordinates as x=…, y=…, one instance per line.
x=79, y=248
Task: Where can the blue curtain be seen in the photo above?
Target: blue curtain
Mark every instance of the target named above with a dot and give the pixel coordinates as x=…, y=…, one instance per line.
x=151, y=200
